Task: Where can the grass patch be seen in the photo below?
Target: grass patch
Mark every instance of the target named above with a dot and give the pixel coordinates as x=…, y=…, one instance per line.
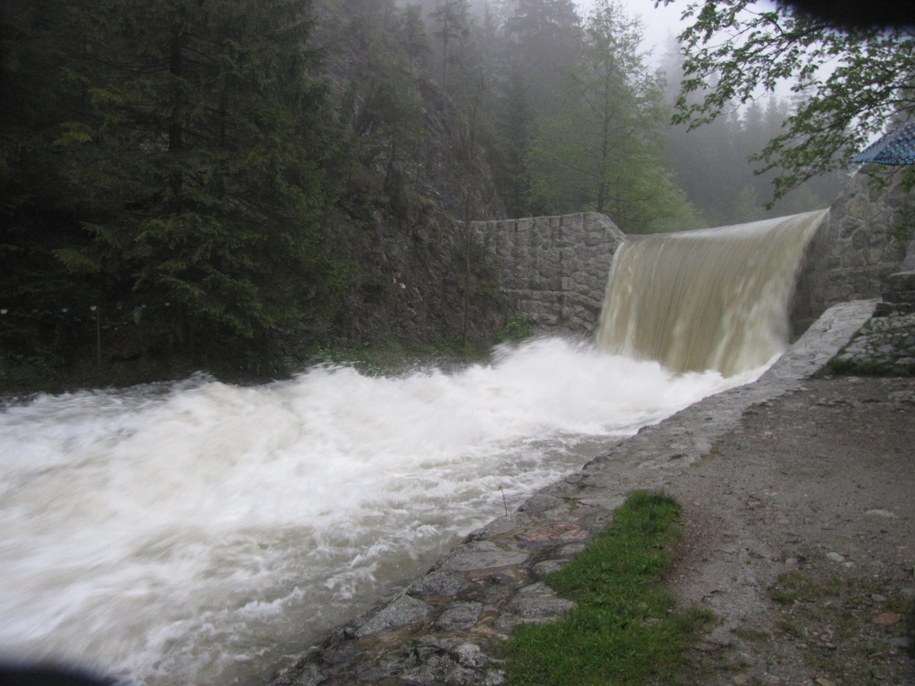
x=515, y=329
x=846, y=366
x=624, y=628
x=795, y=587
x=753, y=635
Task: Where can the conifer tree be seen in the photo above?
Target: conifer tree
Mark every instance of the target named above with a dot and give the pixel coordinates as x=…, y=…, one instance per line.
x=602, y=154
x=200, y=161
x=451, y=19
x=544, y=37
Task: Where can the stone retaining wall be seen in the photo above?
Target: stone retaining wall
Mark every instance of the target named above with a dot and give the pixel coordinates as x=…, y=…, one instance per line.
x=553, y=270
x=865, y=238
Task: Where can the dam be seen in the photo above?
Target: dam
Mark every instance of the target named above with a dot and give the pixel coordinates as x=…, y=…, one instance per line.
x=202, y=533
x=446, y=627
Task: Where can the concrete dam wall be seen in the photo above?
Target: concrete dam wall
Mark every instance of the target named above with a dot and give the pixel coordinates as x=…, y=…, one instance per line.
x=553, y=270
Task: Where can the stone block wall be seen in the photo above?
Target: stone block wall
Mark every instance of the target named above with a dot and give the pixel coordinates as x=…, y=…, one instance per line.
x=553, y=270
x=864, y=239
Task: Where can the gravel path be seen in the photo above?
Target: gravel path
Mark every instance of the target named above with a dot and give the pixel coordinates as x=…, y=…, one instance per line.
x=800, y=537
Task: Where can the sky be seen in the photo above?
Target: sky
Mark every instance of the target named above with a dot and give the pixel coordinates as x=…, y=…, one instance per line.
x=658, y=23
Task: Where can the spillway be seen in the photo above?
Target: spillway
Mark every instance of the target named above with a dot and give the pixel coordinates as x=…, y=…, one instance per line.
x=707, y=299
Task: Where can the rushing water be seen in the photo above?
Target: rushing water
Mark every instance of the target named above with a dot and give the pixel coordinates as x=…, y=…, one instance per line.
x=708, y=299
x=197, y=532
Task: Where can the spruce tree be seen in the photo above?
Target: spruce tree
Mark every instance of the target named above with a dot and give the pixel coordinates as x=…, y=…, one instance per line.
x=201, y=163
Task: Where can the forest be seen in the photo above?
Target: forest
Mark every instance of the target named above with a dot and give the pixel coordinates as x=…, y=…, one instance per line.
x=232, y=185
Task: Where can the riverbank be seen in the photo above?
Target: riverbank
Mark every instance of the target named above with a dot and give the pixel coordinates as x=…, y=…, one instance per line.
x=448, y=626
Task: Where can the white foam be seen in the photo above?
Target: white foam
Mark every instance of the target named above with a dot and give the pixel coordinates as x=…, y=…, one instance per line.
x=192, y=533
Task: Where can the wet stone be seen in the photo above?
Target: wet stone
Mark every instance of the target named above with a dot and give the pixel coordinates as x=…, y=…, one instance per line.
x=496, y=587
x=459, y=616
x=483, y=555
x=499, y=526
x=439, y=583
x=541, y=502
x=534, y=604
x=303, y=674
x=403, y=611
x=559, y=532
x=470, y=655
x=547, y=567
x=437, y=669
x=446, y=662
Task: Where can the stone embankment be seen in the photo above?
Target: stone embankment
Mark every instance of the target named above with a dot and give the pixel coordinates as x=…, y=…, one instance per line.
x=448, y=626
x=552, y=270
x=886, y=344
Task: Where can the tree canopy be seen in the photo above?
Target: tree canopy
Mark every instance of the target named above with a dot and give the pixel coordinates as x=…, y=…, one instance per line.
x=231, y=180
x=182, y=146
x=602, y=152
x=850, y=82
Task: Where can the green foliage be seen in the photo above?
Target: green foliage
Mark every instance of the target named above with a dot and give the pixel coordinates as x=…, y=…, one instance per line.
x=904, y=228
x=623, y=628
x=172, y=154
x=712, y=162
x=849, y=83
x=602, y=153
x=812, y=607
x=202, y=163
x=515, y=329
x=451, y=21
x=543, y=42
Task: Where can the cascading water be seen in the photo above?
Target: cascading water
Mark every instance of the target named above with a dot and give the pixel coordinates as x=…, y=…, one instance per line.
x=709, y=299
x=198, y=532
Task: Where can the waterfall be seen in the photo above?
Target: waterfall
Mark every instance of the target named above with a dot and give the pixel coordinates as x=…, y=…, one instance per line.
x=710, y=299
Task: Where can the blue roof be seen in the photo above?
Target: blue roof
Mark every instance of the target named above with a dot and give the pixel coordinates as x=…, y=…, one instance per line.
x=896, y=147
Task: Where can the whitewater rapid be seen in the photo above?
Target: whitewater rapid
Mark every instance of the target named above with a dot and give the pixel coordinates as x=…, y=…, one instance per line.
x=197, y=532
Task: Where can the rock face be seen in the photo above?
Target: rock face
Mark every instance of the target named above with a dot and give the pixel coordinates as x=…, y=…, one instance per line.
x=552, y=270
x=899, y=291
x=885, y=345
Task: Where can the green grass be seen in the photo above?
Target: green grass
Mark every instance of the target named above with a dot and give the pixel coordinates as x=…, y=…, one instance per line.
x=624, y=628
x=515, y=329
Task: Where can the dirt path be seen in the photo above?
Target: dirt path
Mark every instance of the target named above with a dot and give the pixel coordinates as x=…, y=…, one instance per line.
x=800, y=537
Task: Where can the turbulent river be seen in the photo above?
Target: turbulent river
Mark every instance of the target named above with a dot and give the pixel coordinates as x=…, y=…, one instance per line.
x=198, y=532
